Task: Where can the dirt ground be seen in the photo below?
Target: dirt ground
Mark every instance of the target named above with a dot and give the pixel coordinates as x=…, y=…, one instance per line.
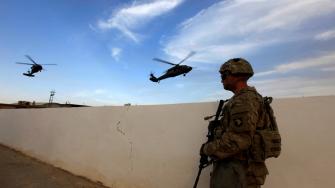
x=20, y=171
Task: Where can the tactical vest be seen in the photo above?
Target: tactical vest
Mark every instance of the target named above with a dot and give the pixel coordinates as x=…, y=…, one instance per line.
x=267, y=140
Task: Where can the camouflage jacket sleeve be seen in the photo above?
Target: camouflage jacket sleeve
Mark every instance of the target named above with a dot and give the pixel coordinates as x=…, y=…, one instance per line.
x=241, y=125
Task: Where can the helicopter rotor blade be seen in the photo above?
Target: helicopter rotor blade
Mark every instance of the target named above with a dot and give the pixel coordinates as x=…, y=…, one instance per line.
x=188, y=56
x=163, y=61
x=27, y=56
x=48, y=64
x=24, y=63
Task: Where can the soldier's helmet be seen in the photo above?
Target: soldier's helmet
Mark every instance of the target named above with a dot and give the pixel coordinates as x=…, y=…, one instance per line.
x=237, y=66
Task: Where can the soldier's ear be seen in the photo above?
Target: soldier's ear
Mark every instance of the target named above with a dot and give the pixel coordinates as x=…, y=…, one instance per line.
x=242, y=77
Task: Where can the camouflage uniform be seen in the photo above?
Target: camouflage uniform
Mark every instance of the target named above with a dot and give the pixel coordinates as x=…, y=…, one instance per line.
x=232, y=167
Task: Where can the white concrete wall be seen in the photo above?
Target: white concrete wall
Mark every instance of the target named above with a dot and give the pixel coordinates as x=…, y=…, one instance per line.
x=157, y=146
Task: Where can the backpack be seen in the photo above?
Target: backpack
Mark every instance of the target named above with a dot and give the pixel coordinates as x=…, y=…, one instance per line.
x=267, y=140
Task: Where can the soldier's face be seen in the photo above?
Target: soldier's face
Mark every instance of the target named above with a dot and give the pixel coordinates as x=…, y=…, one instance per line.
x=224, y=79
x=228, y=81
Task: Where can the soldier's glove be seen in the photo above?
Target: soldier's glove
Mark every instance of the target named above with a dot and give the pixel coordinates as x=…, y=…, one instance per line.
x=203, y=160
x=208, y=148
x=203, y=157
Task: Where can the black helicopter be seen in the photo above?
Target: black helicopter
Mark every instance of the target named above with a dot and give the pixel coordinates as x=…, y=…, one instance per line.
x=176, y=70
x=34, y=67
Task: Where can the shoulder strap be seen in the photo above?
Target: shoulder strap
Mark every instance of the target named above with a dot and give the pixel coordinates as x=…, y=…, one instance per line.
x=269, y=110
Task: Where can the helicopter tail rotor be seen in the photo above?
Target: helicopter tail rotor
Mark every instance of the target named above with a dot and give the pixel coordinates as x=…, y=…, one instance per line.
x=153, y=78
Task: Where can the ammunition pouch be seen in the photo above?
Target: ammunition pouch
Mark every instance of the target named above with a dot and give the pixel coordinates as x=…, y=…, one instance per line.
x=266, y=144
x=256, y=173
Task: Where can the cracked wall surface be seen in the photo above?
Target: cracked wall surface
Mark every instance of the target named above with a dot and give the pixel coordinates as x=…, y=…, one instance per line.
x=157, y=146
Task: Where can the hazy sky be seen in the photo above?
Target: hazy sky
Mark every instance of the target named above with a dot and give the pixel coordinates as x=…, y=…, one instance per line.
x=104, y=48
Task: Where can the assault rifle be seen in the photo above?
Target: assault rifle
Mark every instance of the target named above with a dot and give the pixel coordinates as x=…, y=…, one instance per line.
x=204, y=162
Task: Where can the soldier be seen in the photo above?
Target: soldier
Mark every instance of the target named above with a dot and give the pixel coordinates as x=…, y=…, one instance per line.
x=233, y=166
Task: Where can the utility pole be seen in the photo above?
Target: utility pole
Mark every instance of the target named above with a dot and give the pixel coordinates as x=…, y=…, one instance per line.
x=52, y=94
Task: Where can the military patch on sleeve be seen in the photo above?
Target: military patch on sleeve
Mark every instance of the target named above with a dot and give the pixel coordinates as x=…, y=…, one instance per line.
x=239, y=122
x=241, y=113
